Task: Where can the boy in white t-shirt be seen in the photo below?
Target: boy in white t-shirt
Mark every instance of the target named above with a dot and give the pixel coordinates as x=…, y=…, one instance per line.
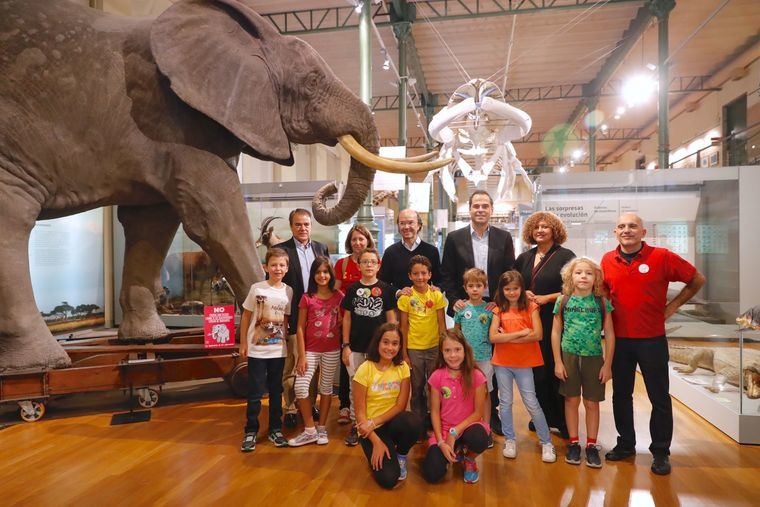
x=263, y=329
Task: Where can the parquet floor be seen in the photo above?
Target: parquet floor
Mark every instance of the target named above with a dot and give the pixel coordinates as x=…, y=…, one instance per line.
x=188, y=454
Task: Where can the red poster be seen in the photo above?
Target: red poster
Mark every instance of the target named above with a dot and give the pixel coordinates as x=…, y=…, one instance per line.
x=219, y=326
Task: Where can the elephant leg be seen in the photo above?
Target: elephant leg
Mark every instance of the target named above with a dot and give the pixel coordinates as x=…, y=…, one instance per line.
x=148, y=232
x=25, y=340
x=211, y=207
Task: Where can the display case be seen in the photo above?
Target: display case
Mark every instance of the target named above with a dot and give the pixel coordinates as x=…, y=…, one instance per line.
x=704, y=215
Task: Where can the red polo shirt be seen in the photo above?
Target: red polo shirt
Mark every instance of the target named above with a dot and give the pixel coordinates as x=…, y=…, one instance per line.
x=638, y=290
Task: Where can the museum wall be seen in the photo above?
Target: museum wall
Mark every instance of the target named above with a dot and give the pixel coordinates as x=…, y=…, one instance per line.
x=708, y=117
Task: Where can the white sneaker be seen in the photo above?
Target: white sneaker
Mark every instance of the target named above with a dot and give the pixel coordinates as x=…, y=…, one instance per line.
x=510, y=449
x=303, y=439
x=548, y=453
x=322, y=436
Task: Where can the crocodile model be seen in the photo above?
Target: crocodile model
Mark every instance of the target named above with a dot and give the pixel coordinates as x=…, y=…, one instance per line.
x=722, y=361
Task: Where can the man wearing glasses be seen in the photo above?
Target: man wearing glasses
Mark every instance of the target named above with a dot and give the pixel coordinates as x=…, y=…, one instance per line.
x=395, y=268
x=302, y=251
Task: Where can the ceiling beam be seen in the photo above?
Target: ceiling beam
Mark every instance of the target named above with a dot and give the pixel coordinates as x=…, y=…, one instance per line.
x=330, y=19
x=631, y=36
x=678, y=84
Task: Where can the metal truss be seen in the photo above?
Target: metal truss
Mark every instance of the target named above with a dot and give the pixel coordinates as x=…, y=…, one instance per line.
x=346, y=18
x=558, y=137
x=681, y=84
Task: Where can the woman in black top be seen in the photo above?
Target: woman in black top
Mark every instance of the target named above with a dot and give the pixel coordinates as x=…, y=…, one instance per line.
x=540, y=267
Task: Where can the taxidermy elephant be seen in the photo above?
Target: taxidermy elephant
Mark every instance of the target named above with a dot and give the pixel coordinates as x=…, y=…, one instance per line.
x=152, y=115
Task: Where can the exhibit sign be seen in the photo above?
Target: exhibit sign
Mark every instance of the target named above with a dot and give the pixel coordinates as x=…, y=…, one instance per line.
x=218, y=326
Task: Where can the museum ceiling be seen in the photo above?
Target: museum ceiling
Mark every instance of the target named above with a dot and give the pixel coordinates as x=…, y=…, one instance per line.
x=599, y=42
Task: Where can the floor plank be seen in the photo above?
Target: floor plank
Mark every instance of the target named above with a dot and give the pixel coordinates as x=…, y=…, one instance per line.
x=188, y=454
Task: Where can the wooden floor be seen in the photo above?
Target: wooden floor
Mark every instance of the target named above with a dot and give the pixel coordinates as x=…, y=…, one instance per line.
x=188, y=454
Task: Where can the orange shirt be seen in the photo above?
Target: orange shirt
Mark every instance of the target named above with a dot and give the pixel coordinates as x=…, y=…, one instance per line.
x=516, y=355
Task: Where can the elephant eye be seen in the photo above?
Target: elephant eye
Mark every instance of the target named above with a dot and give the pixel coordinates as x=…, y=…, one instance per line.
x=311, y=83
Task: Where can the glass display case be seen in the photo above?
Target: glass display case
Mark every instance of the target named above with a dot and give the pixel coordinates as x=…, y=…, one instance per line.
x=699, y=214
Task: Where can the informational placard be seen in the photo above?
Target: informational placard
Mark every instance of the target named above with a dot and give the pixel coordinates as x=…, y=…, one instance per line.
x=219, y=326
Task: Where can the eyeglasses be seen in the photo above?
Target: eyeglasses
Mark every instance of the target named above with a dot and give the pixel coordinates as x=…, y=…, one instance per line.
x=404, y=224
x=368, y=262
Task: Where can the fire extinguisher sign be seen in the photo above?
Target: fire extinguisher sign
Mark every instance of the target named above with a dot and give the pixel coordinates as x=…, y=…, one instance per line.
x=219, y=326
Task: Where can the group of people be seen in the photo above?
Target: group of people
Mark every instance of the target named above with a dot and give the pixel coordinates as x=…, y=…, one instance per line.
x=556, y=325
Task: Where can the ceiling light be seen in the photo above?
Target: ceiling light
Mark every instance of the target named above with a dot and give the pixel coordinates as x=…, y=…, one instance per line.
x=617, y=117
x=562, y=169
x=637, y=89
x=603, y=127
x=620, y=111
x=386, y=64
x=651, y=66
x=577, y=154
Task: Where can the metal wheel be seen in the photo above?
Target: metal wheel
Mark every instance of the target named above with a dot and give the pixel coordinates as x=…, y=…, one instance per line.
x=31, y=410
x=147, y=397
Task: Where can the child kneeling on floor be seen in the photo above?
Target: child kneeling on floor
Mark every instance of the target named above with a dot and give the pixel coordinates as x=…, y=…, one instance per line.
x=457, y=398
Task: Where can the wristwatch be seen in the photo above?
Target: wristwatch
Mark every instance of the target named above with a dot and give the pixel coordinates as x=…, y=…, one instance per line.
x=344, y=345
x=453, y=432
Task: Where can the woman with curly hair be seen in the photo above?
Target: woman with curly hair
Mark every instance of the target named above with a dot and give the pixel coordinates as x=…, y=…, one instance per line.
x=541, y=267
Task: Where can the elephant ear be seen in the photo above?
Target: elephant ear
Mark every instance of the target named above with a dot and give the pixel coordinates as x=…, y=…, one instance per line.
x=213, y=54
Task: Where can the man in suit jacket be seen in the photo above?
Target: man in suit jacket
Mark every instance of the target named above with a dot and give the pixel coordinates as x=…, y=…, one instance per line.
x=477, y=246
x=301, y=254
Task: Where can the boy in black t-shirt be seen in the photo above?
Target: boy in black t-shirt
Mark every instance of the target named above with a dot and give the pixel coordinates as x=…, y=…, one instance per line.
x=368, y=304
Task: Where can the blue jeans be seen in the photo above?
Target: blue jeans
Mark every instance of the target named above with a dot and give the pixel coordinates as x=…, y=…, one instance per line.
x=524, y=379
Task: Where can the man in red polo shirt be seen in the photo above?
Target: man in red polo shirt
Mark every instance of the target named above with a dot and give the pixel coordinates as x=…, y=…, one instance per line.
x=636, y=277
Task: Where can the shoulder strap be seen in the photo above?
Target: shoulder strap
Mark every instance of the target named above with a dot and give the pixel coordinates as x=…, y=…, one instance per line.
x=562, y=305
x=602, y=308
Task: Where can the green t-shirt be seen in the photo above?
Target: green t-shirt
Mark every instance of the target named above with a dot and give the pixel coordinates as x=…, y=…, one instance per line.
x=475, y=322
x=582, y=329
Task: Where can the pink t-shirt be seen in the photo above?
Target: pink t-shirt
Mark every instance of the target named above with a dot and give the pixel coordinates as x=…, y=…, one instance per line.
x=455, y=406
x=323, y=322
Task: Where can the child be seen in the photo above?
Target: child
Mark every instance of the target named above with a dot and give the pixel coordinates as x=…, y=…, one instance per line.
x=516, y=331
x=457, y=397
x=368, y=304
x=381, y=393
x=263, y=329
x=475, y=321
x=318, y=335
x=579, y=315
x=422, y=320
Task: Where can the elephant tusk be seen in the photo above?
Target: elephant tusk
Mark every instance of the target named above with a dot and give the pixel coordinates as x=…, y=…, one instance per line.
x=418, y=158
x=358, y=152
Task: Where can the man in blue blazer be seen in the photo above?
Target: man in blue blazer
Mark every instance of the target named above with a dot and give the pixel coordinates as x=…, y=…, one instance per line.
x=302, y=251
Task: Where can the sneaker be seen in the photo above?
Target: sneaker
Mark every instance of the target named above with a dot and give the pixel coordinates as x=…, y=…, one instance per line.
x=402, y=467
x=344, y=416
x=303, y=439
x=249, y=442
x=592, y=457
x=278, y=439
x=510, y=449
x=573, y=454
x=353, y=438
x=471, y=474
x=490, y=441
x=661, y=464
x=618, y=453
x=548, y=453
x=322, y=435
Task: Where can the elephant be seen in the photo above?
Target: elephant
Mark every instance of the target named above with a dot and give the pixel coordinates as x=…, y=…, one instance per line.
x=151, y=115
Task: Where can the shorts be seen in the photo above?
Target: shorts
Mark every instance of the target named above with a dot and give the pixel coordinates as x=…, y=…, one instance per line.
x=582, y=377
x=487, y=368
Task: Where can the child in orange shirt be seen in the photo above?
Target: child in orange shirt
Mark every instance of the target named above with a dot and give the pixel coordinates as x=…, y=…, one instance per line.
x=516, y=331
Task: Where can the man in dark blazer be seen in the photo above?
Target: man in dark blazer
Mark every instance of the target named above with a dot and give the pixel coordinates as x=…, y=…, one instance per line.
x=477, y=246
x=301, y=254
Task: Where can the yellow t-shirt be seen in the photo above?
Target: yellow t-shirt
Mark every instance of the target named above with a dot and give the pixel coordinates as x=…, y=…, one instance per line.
x=383, y=387
x=422, y=310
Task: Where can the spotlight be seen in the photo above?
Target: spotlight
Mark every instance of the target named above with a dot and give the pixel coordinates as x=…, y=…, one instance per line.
x=577, y=154
x=637, y=90
x=562, y=169
x=616, y=117
x=620, y=111
x=603, y=127
x=386, y=64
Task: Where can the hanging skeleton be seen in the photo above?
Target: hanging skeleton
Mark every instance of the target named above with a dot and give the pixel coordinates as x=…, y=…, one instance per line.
x=476, y=129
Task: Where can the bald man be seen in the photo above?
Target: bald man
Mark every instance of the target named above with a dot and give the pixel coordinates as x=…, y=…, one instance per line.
x=636, y=277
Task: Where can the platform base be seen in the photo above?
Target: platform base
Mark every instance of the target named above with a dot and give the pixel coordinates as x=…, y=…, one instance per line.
x=130, y=417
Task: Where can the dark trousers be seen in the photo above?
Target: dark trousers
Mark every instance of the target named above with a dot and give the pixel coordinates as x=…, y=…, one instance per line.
x=343, y=387
x=475, y=438
x=399, y=434
x=547, y=389
x=264, y=375
x=651, y=354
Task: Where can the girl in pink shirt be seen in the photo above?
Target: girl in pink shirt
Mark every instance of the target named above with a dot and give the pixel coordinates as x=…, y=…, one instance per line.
x=457, y=398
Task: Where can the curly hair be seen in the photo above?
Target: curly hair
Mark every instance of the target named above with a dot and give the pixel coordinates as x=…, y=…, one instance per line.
x=567, y=276
x=559, y=233
x=361, y=229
